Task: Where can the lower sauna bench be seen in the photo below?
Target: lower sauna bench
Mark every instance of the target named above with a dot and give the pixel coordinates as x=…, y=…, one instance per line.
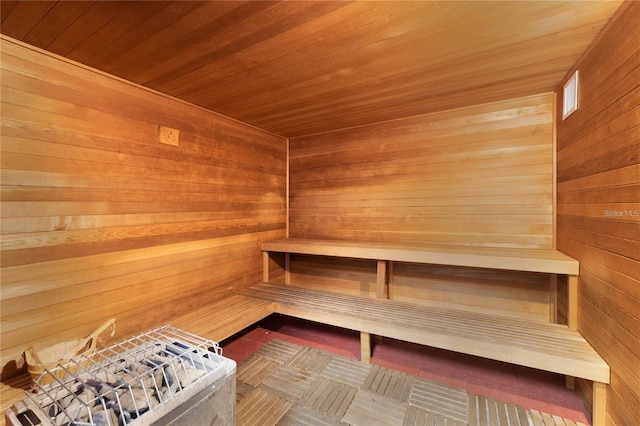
x=544, y=346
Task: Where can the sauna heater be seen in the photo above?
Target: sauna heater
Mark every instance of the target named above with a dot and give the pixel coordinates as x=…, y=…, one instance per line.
x=165, y=376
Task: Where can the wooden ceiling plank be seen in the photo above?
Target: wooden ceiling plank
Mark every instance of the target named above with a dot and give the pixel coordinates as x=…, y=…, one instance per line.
x=342, y=117
x=24, y=16
x=92, y=21
x=251, y=62
x=324, y=33
x=275, y=73
x=414, y=49
x=296, y=68
x=358, y=81
x=126, y=21
x=290, y=52
x=55, y=21
x=194, y=45
x=279, y=21
x=432, y=81
x=153, y=47
x=5, y=8
x=401, y=61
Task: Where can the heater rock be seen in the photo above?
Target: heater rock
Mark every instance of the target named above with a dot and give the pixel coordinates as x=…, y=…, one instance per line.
x=169, y=391
x=105, y=418
x=86, y=397
x=130, y=380
x=106, y=377
x=134, y=399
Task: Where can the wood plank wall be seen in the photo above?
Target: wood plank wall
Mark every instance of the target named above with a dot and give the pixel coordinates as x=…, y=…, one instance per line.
x=599, y=175
x=99, y=220
x=475, y=176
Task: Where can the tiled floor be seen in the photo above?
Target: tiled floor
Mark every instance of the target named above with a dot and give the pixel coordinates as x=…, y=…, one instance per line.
x=530, y=388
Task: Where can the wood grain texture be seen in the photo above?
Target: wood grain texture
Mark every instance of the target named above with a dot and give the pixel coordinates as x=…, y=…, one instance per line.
x=303, y=67
x=512, y=282
x=506, y=293
x=598, y=204
x=515, y=259
x=550, y=347
x=475, y=177
x=100, y=220
x=478, y=176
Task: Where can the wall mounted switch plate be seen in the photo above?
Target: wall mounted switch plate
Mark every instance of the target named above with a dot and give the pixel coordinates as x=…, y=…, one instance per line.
x=169, y=136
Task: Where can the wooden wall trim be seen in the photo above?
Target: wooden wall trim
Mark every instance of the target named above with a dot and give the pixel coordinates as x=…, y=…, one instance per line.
x=554, y=138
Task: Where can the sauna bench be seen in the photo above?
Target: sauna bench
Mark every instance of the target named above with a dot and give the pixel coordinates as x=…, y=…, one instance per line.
x=224, y=318
x=535, y=344
x=542, y=345
x=551, y=262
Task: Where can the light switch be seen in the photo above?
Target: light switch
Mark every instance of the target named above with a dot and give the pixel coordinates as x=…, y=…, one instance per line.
x=169, y=136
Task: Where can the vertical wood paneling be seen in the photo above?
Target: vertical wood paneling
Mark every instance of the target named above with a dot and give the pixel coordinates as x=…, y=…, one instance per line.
x=599, y=205
x=99, y=220
x=475, y=176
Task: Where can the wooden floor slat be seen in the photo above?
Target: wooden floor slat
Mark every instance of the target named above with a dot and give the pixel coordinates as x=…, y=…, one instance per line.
x=260, y=407
x=325, y=389
x=389, y=383
x=287, y=382
x=310, y=360
x=347, y=371
x=369, y=409
x=417, y=416
x=301, y=416
x=329, y=398
x=254, y=370
x=279, y=351
x=437, y=398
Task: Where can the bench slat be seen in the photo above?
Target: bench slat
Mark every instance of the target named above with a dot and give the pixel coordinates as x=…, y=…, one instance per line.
x=224, y=318
x=516, y=259
x=549, y=347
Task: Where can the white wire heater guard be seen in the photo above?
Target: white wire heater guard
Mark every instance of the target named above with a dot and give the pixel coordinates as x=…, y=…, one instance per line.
x=136, y=381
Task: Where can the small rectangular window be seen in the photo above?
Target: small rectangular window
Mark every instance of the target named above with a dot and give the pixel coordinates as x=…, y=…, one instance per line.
x=570, y=96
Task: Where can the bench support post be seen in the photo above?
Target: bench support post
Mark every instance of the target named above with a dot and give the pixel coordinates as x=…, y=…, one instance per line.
x=570, y=382
x=365, y=347
x=599, y=404
x=381, y=279
x=572, y=302
x=553, y=298
x=287, y=268
x=265, y=266
x=266, y=258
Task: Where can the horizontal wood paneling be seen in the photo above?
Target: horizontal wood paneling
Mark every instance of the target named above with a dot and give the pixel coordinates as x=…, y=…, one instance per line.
x=474, y=176
x=99, y=220
x=512, y=294
x=598, y=205
x=519, y=295
x=303, y=67
x=478, y=176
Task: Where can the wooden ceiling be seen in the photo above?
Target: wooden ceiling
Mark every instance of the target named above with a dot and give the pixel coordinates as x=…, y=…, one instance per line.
x=302, y=67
